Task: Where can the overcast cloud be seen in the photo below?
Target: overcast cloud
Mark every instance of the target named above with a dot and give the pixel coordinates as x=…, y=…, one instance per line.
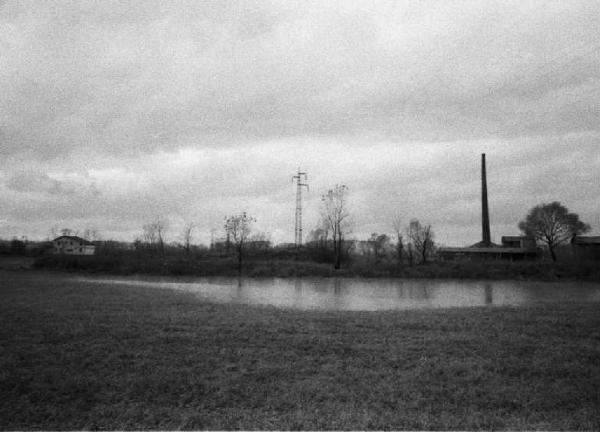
x=113, y=113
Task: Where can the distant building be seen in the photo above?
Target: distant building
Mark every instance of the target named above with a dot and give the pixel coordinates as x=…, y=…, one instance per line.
x=72, y=245
x=587, y=247
x=513, y=248
x=523, y=242
x=258, y=245
x=508, y=251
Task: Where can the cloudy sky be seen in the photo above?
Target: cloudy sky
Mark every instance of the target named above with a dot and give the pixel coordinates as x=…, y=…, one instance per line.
x=113, y=113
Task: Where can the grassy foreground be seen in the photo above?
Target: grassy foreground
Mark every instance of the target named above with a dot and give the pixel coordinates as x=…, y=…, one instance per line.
x=88, y=356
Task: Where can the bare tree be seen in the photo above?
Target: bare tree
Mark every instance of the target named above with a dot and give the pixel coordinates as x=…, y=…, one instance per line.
x=91, y=234
x=162, y=225
x=154, y=234
x=334, y=213
x=149, y=234
x=553, y=224
x=187, y=234
x=410, y=253
x=421, y=237
x=237, y=230
x=398, y=230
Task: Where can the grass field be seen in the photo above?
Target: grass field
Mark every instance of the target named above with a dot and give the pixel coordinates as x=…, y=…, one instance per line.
x=89, y=356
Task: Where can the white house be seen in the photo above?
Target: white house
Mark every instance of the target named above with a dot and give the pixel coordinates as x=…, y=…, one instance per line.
x=72, y=245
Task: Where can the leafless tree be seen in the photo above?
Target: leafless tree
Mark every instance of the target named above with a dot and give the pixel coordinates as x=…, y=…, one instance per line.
x=149, y=234
x=421, y=237
x=154, y=233
x=410, y=253
x=91, y=234
x=162, y=225
x=187, y=235
x=334, y=212
x=237, y=230
x=398, y=231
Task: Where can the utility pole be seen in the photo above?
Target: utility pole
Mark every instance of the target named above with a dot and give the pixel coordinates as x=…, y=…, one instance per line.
x=300, y=179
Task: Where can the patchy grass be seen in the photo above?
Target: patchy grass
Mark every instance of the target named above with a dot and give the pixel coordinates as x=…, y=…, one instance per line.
x=88, y=356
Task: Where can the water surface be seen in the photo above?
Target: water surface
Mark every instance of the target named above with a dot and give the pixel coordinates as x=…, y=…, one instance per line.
x=370, y=294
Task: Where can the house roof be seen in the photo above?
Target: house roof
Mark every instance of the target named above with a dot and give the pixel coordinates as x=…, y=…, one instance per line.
x=586, y=240
x=75, y=238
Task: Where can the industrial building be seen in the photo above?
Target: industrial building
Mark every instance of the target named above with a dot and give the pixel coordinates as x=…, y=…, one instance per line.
x=586, y=247
x=512, y=248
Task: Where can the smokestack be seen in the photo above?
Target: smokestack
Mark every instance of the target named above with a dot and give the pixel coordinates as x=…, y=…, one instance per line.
x=485, y=215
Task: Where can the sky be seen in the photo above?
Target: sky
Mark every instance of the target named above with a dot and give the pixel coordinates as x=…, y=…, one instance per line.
x=115, y=113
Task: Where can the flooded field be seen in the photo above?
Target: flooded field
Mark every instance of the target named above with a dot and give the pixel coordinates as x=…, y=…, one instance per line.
x=371, y=294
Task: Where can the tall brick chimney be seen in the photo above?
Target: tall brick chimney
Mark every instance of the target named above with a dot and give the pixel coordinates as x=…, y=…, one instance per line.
x=485, y=215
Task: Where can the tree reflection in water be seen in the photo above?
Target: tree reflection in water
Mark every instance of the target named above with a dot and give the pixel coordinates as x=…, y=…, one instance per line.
x=489, y=299
x=418, y=290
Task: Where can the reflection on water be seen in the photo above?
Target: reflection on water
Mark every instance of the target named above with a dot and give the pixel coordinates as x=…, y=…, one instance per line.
x=489, y=298
x=372, y=294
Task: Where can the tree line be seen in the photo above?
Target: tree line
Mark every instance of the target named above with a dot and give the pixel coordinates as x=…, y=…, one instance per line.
x=551, y=224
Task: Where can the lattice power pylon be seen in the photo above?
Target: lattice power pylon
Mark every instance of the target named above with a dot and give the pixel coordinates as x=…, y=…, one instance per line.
x=301, y=181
